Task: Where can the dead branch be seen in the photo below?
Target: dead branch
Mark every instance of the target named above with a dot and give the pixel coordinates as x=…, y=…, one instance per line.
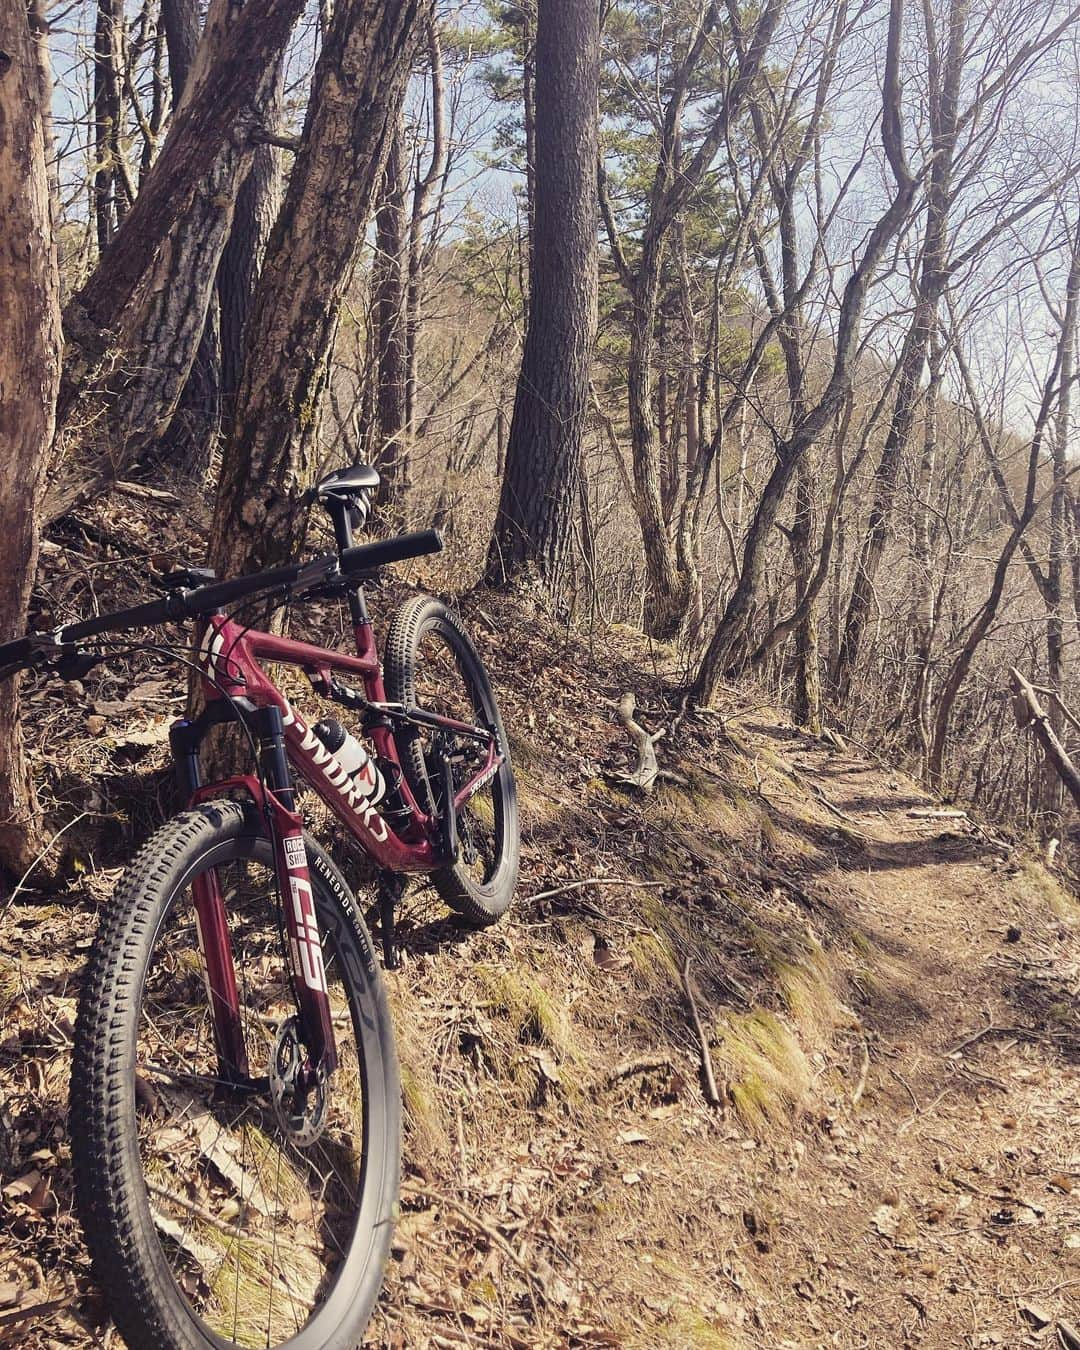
x=711, y=1094
x=420, y=1192
x=594, y=881
x=642, y=1064
x=1029, y=713
x=648, y=770
x=860, y=1086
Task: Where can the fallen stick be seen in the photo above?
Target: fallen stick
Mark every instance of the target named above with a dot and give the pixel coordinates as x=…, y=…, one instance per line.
x=1025, y=1033
x=592, y=881
x=647, y=771
x=860, y=1086
x=937, y=813
x=28, y=1311
x=711, y=1094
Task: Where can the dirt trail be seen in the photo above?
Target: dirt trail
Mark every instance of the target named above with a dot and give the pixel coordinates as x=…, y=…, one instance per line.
x=890, y=1005
x=941, y=1210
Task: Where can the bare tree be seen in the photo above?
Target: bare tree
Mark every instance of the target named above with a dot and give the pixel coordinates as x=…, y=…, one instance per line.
x=674, y=182
x=30, y=342
x=730, y=646
x=357, y=90
x=132, y=331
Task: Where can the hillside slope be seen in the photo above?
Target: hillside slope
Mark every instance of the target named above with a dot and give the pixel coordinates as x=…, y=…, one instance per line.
x=889, y=1002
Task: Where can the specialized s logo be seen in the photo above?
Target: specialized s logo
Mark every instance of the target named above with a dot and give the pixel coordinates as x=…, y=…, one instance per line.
x=307, y=951
x=345, y=785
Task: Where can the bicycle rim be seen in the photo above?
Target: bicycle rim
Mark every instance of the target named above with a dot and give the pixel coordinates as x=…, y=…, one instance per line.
x=255, y=1225
x=444, y=683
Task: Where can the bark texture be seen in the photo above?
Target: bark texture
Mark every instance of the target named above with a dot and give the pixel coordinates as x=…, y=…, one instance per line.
x=358, y=87
x=133, y=330
x=29, y=377
x=391, y=325
x=540, y=485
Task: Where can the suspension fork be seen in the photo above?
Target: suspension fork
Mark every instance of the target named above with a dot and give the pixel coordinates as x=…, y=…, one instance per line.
x=294, y=886
x=297, y=898
x=212, y=925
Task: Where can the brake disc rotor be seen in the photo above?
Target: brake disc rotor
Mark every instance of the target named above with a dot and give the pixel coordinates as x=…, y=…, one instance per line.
x=300, y=1112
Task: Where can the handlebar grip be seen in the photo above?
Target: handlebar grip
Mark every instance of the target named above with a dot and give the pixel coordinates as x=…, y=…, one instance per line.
x=366, y=557
x=14, y=655
x=139, y=616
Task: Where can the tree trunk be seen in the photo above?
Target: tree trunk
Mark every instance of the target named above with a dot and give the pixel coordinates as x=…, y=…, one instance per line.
x=933, y=274
x=238, y=272
x=390, y=296
x=30, y=342
x=1055, y=574
x=669, y=589
x=186, y=441
x=357, y=89
x=181, y=22
x=106, y=119
x=806, y=707
x=528, y=107
x=133, y=329
x=540, y=487
x=421, y=248
x=209, y=396
x=923, y=617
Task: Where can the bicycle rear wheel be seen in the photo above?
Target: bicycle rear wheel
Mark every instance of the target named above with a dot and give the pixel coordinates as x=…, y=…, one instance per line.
x=432, y=664
x=212, y=1220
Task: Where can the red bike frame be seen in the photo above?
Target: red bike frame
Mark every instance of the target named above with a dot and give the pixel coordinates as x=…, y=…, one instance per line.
x=229, y=656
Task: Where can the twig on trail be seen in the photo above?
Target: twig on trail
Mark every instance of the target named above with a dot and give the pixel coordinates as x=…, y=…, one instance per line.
x=492, y=1234
x=1002, y=1197
x=1068, y=1336
x=63, y=830
x=860, y=1086
x=919, y=1113
x=907, y=1086
x=145, y=492
x=937, y=813
x=711, y=1094
x=882, y=763
x=828, y=805
x=27, y=1311
x=1026, y=1033
x=592, y=881
x=819, y=794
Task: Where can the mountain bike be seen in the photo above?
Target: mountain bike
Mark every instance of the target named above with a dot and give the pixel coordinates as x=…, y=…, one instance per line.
x=235, y=1103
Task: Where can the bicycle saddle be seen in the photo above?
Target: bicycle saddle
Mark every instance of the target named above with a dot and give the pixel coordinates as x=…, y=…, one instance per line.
x=346, y=484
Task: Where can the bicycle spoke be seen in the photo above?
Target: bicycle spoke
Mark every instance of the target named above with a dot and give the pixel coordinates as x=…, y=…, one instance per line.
x=253, y=1225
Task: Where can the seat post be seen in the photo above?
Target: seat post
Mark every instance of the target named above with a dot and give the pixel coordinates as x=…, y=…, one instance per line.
x=341, y=511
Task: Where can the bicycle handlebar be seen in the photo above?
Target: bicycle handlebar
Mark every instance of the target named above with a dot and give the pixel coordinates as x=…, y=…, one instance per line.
x=205, y=600
x=366, y=557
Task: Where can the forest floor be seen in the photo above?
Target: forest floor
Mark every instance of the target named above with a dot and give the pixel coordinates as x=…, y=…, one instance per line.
x=889, y=1001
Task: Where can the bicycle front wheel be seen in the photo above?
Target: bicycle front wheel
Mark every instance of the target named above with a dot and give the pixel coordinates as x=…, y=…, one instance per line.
x=214, y=1216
